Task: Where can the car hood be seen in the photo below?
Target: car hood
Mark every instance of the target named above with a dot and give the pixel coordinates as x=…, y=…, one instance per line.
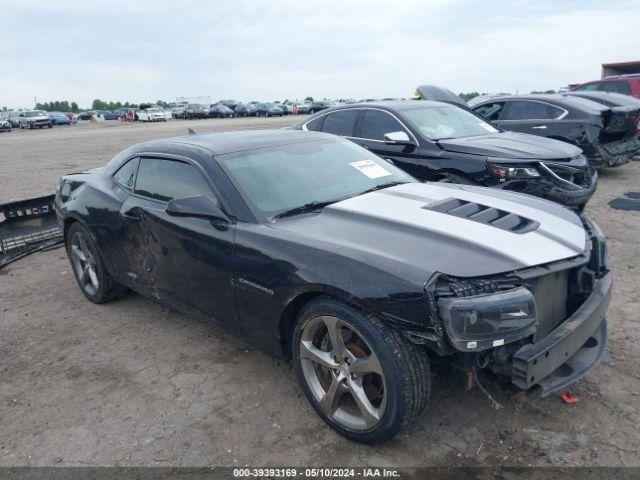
x=401, y=227
x=512, y=145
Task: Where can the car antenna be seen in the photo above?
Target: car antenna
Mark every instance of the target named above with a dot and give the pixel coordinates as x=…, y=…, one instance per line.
x=191, y=132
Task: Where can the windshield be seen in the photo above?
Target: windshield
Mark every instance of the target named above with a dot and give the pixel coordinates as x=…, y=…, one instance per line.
x=447, y=121
x=35, y=113
x=276, y=179
x=153, y=110
x=195, y=106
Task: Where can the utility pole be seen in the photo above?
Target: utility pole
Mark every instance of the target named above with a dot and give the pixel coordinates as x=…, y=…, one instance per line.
x=35, y=101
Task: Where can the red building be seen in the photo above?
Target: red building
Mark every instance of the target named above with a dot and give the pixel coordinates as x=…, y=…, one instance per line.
x=622, y=68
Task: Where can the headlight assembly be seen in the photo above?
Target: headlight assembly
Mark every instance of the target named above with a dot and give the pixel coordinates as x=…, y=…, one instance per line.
x=506, y=172
x=486, y=321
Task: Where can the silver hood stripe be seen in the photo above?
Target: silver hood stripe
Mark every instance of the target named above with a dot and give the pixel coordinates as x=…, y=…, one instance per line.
x=556, y=238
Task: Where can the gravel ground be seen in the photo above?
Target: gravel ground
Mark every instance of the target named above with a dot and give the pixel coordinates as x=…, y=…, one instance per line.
x=133, y=383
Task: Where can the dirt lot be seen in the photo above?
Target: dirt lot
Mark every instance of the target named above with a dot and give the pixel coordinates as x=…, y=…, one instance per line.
x=132, y=383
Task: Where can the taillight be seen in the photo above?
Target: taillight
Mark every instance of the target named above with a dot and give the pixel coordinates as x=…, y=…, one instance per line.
x=638, y=125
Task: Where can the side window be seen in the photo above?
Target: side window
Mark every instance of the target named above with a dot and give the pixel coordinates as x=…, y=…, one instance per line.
x=167, y=179
x=555, y=112
x=376, y=123
x=524, y=110
x=341, y=123
x=490, y=111
x=617, y=87
x=315, y=125
x=126, y=174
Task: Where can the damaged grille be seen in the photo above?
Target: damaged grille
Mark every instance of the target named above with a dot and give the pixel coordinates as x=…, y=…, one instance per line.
x=551, y=293
x=484, y=214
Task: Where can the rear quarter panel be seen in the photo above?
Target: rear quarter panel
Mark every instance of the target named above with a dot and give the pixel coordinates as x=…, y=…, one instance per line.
x=94, y=200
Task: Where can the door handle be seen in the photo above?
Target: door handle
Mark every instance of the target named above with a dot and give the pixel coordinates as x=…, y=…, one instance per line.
x=131, y=217
x=540, y=127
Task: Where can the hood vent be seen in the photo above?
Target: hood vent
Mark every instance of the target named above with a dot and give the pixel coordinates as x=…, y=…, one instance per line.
x=484, y=214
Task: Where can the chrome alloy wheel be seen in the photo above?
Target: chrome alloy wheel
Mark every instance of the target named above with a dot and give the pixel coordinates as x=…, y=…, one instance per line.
x=84, y=263
x=343, y=373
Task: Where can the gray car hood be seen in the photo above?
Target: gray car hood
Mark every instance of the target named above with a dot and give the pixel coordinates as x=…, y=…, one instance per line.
x=512, y=145
x=395, y=227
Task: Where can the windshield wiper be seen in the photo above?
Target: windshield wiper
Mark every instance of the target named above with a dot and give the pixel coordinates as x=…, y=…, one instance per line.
x=307, y=207
x=382, y=186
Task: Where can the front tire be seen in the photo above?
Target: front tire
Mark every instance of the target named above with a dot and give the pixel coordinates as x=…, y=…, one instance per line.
x=88, y=268
x=363, y=378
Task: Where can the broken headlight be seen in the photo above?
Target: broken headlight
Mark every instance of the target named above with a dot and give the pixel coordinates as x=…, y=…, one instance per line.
x=506, y=172
x=486, y=321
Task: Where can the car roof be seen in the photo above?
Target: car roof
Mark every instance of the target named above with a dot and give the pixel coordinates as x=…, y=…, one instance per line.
x=391, y=105
x=227, y=142
x=611, y=97
x=559, y=99
x=614, y=78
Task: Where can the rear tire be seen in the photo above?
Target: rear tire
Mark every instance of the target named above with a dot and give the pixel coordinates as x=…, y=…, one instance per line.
x=86, y=262
x=371, y=384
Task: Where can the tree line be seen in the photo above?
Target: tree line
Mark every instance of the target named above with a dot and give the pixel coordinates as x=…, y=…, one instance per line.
x=97, y=104
x=58, y=106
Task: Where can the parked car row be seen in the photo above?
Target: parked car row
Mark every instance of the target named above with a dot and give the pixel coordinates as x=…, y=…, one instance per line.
x=232, y=108
x=153, y=113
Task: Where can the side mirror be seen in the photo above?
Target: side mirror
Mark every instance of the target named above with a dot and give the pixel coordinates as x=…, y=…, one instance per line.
x=397, y=138
x=198, y=207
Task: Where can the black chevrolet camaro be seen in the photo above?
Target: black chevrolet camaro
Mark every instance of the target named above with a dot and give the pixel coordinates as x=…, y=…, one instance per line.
x=314, y=249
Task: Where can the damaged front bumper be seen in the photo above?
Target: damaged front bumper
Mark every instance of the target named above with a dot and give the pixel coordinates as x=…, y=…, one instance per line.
x=614, y=154
x=574, y=347
x=570, y=351
x=556, y=189
x=27, y=226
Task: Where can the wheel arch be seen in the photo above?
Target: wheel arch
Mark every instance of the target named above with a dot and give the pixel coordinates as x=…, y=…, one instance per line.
x=298, y=301
x=67, y=222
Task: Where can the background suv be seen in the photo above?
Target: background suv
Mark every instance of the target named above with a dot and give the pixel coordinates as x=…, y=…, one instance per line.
x=35, y=119
x=625, y=84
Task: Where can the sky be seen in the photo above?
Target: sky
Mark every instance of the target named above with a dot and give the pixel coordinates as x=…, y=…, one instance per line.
x=145, y=50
